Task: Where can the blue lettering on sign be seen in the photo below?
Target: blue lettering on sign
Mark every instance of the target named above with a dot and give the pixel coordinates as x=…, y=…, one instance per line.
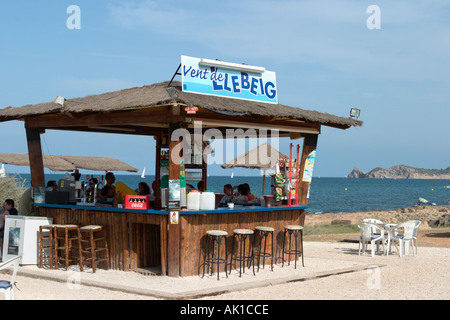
x=236, y=83
x=273, y=92
x=232, y=83
x=245, y=84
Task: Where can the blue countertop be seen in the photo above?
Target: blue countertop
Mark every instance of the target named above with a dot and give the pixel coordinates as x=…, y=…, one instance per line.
x=236, y=209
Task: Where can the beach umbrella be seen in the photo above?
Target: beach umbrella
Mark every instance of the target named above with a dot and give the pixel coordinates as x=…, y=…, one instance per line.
x=69, y=163
x=53, y=163
x=263, y=157
x=99, y=163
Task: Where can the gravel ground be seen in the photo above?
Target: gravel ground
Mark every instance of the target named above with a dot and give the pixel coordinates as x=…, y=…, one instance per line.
x=332, y=271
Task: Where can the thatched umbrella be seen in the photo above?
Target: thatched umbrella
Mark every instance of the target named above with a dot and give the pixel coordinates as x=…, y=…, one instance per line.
x=54, y=163
x=262, y=157
x=99, y=163
x=69, y=163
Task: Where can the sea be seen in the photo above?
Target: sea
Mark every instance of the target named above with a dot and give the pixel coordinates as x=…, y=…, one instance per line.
x=327, y=195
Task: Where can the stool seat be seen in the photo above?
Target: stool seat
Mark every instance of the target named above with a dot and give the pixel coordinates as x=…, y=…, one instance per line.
x=217, y=233
x=293, y=227
x=267, y=229
x=243, y=231
x=65, y=226
x=91, y=227
x=47, y=226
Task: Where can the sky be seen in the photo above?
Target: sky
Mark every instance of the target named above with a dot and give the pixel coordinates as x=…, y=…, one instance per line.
x=330, y=56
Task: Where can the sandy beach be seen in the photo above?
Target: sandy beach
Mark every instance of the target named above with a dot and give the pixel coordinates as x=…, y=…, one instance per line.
x=333, y=270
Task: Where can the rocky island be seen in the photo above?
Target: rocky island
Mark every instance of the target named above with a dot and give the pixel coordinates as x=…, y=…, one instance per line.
x=401, y=172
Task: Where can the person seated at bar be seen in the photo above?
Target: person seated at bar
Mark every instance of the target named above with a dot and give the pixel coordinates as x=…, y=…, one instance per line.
x=8, y=209
x=52, y=185
x=254, y=197
x=228, y=194
x=243, y=194
x=238, y=196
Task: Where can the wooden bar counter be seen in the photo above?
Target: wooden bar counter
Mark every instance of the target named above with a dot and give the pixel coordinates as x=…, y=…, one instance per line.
x=139, y=238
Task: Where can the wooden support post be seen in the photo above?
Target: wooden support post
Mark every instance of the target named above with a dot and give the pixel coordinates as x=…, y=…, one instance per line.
x=35, y=155
x=174, y=230
x=158, y=173
x=309, y=145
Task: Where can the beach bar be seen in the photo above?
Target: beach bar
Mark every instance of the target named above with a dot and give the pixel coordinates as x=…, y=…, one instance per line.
x=138, y=239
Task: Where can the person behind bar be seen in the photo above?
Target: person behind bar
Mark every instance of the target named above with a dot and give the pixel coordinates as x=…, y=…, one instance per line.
x=109, y=196
x=90, y=189
x=143, y=189
x=76, y=174
x=110, y=179
x=201, y=186
x=52, y=185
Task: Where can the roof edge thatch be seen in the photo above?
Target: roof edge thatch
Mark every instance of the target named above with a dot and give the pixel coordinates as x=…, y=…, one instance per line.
x=160, y=94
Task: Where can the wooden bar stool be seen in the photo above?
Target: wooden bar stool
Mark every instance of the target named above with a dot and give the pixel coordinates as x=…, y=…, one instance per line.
x=241, y=255
x=297, y=231
x=46, y=245
x=90, y=236
x=262, y=233
x=64, y=237
x=214, y=237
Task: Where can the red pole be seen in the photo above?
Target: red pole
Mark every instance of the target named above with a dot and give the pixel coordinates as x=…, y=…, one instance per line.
x=298, y=175
x=290, y=174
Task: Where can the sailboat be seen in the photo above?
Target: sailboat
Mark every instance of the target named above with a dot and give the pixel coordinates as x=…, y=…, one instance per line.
x=232, y=175
x=143, y=174
x=2, y=171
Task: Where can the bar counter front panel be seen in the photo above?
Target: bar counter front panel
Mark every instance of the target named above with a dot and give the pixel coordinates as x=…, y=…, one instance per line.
x=139, y=238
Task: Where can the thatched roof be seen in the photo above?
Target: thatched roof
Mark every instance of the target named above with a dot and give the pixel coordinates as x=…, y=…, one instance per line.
x=69, y=163
x=262, y=157
x=160, y=94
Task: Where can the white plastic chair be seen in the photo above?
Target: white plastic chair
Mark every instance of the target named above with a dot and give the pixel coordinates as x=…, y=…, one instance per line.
x=417, y=224
x=376, y=231
x=7, y=287
x=367, y=235
x=406, y=237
